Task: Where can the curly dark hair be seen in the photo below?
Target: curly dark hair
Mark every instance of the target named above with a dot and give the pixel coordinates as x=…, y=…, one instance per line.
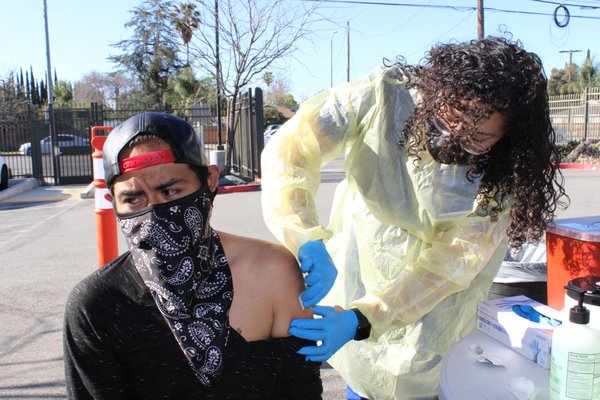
x=478, y=78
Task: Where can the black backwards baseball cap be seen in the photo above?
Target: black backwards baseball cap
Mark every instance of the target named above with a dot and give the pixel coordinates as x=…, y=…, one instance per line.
x=186, y=145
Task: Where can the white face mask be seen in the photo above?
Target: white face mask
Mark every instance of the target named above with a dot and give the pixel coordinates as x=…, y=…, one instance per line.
x=183, y=265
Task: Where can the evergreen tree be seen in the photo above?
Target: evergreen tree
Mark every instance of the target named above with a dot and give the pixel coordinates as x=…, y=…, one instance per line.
x=587, y=73
x=557, y=80
x=18, y=87
x=43, y=93
x=34, y=90
x=152, y=53
x=35, y=95
x=21, y=88
x=27, y=87
x=572, y=78
x=63, y=92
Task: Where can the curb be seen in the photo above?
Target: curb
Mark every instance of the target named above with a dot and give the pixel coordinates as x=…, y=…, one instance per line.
x=18, y=186
x=88, y=192
x=250, y=187
x=592, y=166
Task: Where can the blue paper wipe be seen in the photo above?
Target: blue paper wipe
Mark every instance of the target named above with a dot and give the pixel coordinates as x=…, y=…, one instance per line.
x=534, y=315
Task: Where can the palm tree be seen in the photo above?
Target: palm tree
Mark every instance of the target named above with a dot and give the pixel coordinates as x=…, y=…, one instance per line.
x=186, y=19
x=268, y=78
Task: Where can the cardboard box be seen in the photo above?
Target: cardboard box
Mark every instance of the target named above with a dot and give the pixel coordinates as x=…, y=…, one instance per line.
x=521, y=324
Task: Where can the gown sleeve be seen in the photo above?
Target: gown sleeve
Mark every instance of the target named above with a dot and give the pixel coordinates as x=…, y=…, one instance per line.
x=321, y=130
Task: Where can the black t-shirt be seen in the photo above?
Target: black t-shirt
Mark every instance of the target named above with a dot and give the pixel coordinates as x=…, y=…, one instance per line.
x=118, y=346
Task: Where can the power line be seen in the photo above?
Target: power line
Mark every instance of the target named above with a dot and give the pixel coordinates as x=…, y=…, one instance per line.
x=556, y=3
x=448, y=7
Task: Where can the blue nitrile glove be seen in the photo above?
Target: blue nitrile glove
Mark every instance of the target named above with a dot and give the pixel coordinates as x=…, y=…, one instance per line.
x=320, y=273
x=333, y=330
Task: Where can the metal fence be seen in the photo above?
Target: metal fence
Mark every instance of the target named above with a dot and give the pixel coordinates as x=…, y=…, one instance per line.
x=249, y=141
x=576, y=117
x=66, y=158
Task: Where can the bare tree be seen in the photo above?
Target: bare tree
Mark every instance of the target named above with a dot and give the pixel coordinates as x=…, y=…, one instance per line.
x=252, y=35
x=103, y=88
x=12, y=102
x=279, y=94
x=91, y=88
x=118, y=85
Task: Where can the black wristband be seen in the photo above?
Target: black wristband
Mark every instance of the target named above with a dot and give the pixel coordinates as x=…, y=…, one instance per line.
x=363, y=330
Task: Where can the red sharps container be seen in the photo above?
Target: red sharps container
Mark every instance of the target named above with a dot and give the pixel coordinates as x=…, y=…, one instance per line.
x=572, y=251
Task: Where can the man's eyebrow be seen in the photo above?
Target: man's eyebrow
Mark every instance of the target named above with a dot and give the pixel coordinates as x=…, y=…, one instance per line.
x=169, y=183
x=130, y=193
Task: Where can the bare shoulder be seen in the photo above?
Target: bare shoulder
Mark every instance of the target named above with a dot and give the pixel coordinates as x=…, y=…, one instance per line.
x=266, y=273
x=268, y=260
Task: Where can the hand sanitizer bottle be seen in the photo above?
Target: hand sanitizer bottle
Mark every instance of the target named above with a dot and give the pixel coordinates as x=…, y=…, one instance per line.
x=575, y=357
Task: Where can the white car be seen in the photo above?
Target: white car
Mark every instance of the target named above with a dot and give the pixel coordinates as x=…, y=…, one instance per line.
x=271, y=129
x=3, y=173
x=63, y=141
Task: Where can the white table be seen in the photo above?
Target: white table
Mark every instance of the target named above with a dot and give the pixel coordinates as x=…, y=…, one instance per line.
x=463, y=378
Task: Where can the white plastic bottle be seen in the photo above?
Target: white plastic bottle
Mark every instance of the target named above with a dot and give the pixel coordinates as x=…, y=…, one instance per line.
x=575, y=357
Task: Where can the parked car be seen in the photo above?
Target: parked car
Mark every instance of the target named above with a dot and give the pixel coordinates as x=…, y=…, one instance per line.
x=271, y=129
x=63, y=142
x=3, y=173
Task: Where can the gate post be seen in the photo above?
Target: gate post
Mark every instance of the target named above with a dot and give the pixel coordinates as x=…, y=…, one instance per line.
x=106, y=222
x=586, y=113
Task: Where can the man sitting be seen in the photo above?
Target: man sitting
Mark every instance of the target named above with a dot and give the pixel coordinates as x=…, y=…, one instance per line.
x=187, y=312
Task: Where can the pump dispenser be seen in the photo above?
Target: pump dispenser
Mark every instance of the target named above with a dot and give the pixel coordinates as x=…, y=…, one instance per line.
x=575, y=356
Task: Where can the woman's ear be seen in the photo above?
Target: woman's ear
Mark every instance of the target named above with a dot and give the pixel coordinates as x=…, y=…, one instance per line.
x=214, y=173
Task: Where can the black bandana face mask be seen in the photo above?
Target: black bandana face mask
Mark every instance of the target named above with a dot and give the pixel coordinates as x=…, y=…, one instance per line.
x=183, y=264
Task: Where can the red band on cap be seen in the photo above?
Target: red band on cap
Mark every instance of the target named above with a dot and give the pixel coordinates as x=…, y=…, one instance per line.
x=146, y=160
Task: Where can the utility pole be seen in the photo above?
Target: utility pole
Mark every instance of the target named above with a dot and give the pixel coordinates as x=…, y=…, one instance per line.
x=569, y=68
x=348, y=51
x=50, y=109
x=331, y=58
x=218, y=74
x=218, y=156
x=480, y=19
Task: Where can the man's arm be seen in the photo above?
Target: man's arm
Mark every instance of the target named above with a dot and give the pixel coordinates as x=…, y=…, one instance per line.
x=285, y=281
x=298, y=378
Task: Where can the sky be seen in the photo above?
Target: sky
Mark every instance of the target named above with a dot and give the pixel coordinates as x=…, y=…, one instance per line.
x=81, y=33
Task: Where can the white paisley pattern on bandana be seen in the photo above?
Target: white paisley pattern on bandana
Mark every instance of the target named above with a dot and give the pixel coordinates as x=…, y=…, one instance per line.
x=183, y=264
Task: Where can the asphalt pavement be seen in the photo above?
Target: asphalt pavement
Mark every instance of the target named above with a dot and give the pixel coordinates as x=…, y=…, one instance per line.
x=48, y=243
